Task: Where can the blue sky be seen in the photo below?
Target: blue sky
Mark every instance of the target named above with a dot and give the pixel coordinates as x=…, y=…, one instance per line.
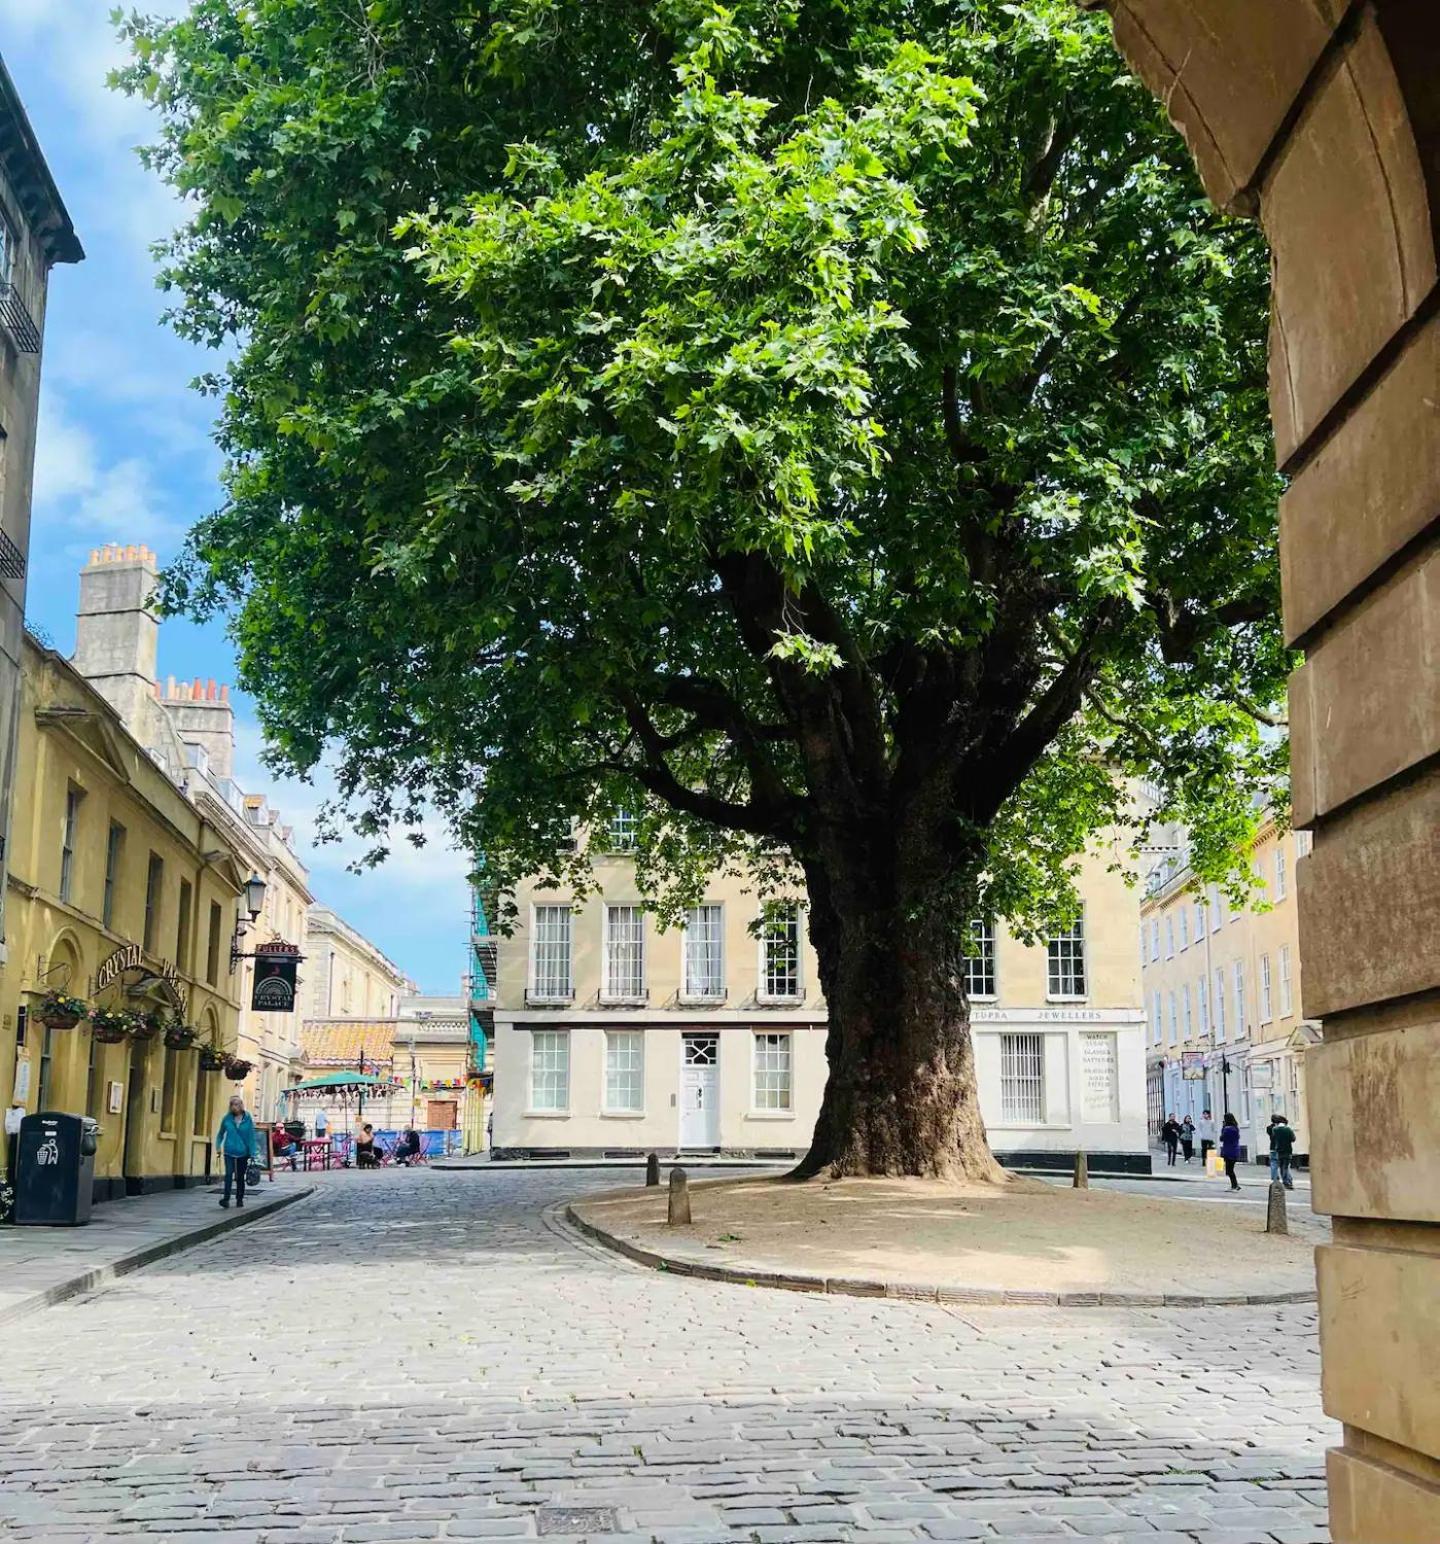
x=125, y=453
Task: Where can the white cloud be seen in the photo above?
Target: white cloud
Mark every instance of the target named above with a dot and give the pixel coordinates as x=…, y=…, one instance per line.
x=79, y=493
x=430, y=882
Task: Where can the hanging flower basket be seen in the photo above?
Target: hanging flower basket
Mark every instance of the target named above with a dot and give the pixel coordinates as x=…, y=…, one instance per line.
x=179, y=1037
x=108, y=1026
x=56, y=1011
x=211, y=1060
x=237, y=1067
x=145, y=1026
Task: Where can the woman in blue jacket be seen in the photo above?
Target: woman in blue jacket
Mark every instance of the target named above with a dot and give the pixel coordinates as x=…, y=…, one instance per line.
x=238, y=1145
x=1230, y=1147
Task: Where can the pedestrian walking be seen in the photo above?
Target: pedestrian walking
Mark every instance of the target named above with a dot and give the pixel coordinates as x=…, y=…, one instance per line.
x=1170, y=1136
x=1282, y=1149
x=1230, y=1147
x=1187, y=1138
x=238, y=1146
x=322, y=1125
x=1206, y=1130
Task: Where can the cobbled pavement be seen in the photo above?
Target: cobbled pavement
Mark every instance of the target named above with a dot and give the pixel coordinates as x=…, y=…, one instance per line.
x=422, y=1355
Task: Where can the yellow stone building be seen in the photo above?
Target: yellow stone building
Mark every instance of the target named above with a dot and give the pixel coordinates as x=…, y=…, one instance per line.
x=1225, y=1024
x=121, y=893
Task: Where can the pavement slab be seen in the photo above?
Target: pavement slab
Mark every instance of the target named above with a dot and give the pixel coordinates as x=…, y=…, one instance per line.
x=421, y=1355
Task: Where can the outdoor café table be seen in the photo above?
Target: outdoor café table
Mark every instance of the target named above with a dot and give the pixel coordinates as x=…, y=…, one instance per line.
x=315, y=1147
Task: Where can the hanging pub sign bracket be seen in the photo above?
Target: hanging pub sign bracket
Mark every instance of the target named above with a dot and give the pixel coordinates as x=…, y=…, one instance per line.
x=273, y=989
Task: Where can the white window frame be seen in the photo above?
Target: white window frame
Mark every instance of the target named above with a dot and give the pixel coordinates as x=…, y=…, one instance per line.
x=763, y=991
x=1219, y=1002
x=628, y=986
x=1022, y=1078
x=982, y=966
x=1217, y=909
x=714, y=991
x=772, y=1073
x=1073, y=934
x=1267, y=1004
x=1170, y=935
x=1185, y=1002
x=564, y=986
x=624, y=1066
x=1238, y=975
x=1202, y=1004
x=1174, y=1019
x=1287, y=985
x=1155, y=940
x=1157, y=1019
x=549, y=1046
x=1281, y=884
x=1184, y=912
x=623, y=832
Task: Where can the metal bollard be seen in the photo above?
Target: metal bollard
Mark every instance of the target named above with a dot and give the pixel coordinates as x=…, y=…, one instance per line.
x=1275, y=1219
x=679, y=1213
x=652, y=1169
x=1082, y=1173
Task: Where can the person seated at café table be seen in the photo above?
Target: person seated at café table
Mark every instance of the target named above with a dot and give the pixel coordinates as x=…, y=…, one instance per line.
x=366, y=1156
x=407, y=1149
x=282, y=1144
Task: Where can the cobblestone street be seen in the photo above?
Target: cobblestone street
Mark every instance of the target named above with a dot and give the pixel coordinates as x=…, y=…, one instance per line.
x=420, y=1355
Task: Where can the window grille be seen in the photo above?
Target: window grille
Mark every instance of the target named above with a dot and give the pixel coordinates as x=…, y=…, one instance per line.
x=624, y=1071
x=780, y=942
x=1067, y=960
x=624, y=831
x=980, y=961
x=1022, y=1079
x=550, y=953
x=624, y=952
x=550, y=1069
x=705, y=953
x=772, y=1072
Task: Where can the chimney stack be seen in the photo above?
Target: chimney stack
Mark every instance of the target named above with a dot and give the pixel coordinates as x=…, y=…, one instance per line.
x=115, y=631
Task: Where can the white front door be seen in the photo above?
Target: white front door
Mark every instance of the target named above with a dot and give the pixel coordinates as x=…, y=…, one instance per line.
x=700, y=1091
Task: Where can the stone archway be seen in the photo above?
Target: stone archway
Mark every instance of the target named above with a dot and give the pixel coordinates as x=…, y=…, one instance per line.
x=1322, y=117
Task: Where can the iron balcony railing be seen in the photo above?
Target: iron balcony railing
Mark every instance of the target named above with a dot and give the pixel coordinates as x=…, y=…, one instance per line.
x=18, y=321
x=12, y=563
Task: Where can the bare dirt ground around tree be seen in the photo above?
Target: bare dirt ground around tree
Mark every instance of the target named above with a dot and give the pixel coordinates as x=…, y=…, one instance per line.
x=1027, y=1237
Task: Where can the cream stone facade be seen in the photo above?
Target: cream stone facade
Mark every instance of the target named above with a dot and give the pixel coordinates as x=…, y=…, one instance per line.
x=1225, y=1030
x=614, y=1037
x=123, y=894
x=35, y=234
x=346, y=975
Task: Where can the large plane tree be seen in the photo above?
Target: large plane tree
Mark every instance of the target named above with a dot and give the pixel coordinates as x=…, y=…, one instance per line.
x=835, y=429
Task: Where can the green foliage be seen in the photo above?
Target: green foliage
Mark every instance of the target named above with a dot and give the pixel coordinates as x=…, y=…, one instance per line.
x=834, y=427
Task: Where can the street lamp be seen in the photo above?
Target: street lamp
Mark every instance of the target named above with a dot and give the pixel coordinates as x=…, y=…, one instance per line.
x=253, y=892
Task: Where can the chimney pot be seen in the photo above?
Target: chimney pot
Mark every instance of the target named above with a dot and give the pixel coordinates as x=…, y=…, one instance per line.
x=197, y=690
x=94, y=556
x=130, y=554
x=210, y=692
x=224, y=694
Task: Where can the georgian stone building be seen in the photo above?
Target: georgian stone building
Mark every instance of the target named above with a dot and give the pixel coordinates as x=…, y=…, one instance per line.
x=613, y=1037
x=123, y=894
x=35, y=234
x=346, y=976
x=1225, y=1028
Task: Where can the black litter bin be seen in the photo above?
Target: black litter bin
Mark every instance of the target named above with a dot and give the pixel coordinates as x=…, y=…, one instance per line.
x=55, y=1174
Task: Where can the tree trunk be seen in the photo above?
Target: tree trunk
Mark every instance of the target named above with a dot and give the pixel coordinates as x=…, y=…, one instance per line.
x=901, y=1098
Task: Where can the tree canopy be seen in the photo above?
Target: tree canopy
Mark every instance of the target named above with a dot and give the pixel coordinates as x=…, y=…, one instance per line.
x=829, y=425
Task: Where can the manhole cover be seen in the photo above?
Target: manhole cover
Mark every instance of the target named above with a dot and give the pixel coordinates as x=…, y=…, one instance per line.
x=577, y=1519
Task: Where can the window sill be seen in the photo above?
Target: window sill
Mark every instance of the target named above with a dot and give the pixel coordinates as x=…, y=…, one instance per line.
x=708, y=1000
x=632, y=1001
x=1060, y=997
x=534, y=1001
x=622, y=1115
x=771, y=1115
x=796, y=1001
x=547, y=1115
x=984, y=997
